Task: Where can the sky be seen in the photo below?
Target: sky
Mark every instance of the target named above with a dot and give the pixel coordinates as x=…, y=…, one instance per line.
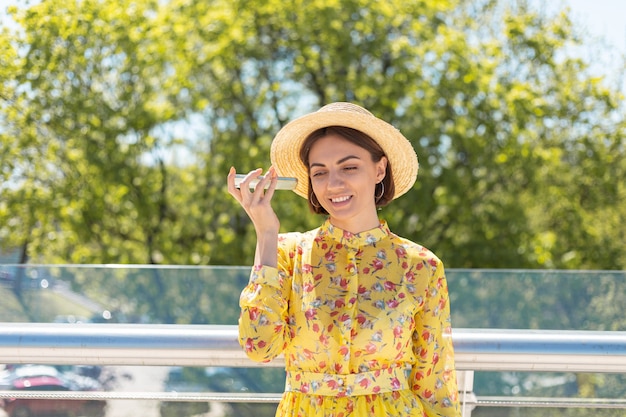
x=604, y=21
x=605, y=18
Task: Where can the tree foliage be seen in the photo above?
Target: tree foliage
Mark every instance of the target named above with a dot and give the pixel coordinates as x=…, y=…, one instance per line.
x=120, y=121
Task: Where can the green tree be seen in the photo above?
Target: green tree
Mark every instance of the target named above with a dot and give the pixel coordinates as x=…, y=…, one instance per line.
x=520, y=143
x=488, y=95
x=89, y=176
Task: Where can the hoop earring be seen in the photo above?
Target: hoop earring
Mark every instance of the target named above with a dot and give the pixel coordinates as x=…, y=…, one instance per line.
x=311, y=196
x=382, y=191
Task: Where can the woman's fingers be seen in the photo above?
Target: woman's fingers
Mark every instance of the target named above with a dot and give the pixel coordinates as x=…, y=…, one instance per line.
x=261, y=192
x=271, y=178
x=230, y=180
x=256, y=201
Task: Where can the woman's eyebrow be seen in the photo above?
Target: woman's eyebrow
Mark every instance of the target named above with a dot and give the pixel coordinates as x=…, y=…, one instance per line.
x=342, y=160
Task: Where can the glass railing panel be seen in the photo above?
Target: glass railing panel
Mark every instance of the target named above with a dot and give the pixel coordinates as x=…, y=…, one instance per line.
x=513, y=299
x=122, y=294
x=528, y=299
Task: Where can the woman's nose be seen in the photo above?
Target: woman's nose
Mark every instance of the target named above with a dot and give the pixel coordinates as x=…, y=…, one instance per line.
x=334, y=180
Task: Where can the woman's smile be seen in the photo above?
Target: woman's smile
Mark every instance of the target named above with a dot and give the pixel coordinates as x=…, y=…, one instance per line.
x=337, y=200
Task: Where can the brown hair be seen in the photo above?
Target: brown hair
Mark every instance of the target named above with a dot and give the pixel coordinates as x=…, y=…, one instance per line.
x=360, y=139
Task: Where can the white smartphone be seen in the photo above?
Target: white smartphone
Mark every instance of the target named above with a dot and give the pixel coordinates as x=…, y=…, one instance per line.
x=284, y=183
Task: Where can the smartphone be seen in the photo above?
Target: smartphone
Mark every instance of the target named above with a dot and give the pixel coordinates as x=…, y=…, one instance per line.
x=284, y=183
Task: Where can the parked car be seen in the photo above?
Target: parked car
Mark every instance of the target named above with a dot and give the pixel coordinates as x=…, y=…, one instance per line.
x=6, y=278
x=48, y=378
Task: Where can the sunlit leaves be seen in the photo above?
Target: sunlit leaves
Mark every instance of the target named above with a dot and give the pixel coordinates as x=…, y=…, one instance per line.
x=123, y=119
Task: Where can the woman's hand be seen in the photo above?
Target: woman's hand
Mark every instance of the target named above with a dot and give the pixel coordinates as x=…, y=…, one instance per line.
x=257, y=202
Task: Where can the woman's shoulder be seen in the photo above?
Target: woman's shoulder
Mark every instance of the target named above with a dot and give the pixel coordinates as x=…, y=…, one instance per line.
x=296, y=238
x=415, y=250
x=297, y=235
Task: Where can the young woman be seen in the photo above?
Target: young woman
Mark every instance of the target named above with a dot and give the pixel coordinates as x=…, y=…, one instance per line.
x=361, y=315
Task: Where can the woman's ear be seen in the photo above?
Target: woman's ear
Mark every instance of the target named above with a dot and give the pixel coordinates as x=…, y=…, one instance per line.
x=381, y=169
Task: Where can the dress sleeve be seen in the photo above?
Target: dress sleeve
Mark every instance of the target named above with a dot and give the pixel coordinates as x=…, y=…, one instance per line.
x=434, y=376
x=263, y=322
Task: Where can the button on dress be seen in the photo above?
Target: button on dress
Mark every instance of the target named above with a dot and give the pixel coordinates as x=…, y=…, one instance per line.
x=363, y=321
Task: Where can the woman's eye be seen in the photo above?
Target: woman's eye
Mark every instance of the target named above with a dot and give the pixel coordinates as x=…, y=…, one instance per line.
x=317, y=174
x=350, y=168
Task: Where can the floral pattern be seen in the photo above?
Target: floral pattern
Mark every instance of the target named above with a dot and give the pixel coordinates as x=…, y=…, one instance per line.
x=363, y=321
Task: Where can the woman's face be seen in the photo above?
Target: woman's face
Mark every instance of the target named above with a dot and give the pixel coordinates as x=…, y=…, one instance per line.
x=344, y=179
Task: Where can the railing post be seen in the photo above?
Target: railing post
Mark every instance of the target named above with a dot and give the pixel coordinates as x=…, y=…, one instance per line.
x=467, y=397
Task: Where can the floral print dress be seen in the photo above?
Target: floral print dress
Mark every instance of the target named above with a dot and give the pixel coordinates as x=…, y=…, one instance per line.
x=363, y=321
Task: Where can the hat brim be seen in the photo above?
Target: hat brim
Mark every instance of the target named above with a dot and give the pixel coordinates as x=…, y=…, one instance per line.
x=285, y=149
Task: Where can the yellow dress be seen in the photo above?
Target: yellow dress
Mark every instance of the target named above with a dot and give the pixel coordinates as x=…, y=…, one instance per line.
x=363, y=321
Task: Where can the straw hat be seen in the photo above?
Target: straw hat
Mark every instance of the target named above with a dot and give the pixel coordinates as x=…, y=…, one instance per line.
x=285, y=149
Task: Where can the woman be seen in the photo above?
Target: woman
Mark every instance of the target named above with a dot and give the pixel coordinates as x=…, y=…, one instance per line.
x=360, y=314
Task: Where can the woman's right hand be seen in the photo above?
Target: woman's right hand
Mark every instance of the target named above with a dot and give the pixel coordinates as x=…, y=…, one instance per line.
x=257, y=202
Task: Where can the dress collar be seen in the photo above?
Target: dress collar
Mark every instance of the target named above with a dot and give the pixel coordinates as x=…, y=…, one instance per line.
x=355, y=240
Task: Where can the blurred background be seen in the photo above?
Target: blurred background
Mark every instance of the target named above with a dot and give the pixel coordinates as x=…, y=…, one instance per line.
x=119, y=121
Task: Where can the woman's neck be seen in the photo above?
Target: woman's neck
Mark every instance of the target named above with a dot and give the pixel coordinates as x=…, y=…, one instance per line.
x=357, y=224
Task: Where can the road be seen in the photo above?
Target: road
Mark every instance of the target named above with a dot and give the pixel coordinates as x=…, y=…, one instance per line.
x=144, y=379
x=140, y=379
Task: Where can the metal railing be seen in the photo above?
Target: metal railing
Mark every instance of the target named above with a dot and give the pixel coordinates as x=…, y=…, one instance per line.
x=216, y=345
